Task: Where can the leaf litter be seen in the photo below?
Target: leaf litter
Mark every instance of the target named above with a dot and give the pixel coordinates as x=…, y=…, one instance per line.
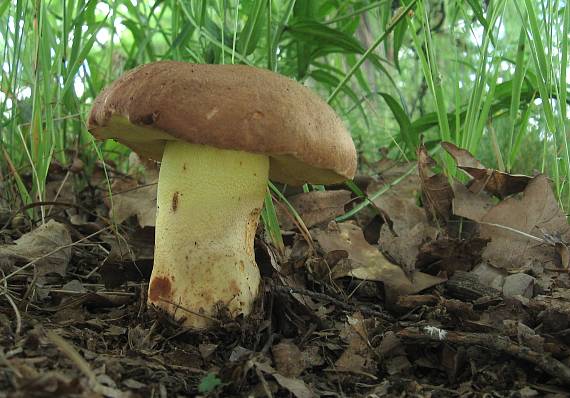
x=441, y=288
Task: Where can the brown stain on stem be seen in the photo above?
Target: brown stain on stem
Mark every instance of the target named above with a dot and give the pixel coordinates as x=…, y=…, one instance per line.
x=234, y=288
x=159, y=287
x=175, y=201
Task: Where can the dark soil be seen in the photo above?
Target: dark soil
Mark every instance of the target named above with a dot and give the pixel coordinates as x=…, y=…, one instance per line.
x=89, y=333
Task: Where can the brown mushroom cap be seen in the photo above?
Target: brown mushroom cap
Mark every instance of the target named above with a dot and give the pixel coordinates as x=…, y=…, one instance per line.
x=229, y=107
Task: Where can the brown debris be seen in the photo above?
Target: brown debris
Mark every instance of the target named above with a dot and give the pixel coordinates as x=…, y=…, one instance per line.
x=314, y=207
x=495, y=182
x=498, y=343
x=437, y=194
x=420, y=307
x=366, y=262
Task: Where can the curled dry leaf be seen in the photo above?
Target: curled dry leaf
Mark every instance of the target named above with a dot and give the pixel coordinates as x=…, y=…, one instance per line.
x=521, y=229
x=436, y=191
x=470, y=205
x=34, y=245
x=366, y=262
x=409, y=226
x=495, y=182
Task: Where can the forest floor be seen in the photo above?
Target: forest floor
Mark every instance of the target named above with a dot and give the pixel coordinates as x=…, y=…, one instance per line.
x=438, y=289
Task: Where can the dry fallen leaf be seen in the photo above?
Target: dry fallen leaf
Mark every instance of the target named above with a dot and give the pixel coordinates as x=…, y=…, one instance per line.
x=130, y=259
x=535, y=214
x=136, y=195
x=410, y=228
x=132, y=199
x=495, y=182
x=436, y=191
x=357, y=357
x=288, y=359
x=36, y=244
x=314, y=207
x=295, y=386
x=470, y=205
x=366, y=262
x=393, y=173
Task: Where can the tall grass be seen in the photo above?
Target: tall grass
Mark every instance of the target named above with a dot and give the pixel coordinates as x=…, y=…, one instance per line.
x=482, y=76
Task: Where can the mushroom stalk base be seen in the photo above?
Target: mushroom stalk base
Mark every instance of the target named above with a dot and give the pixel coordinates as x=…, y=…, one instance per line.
x=209, y=202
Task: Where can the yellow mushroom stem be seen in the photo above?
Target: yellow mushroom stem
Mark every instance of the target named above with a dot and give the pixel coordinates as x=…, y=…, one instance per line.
x=209, y=202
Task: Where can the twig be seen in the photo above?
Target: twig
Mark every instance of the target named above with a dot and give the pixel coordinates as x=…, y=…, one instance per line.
x=516, y=231
x=326, y=297
x=548, y=364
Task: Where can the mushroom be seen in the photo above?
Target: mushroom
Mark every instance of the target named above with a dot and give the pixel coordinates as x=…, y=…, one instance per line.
x=220, y=131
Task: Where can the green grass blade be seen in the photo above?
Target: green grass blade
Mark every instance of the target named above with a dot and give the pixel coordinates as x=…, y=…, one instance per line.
x=400, y=17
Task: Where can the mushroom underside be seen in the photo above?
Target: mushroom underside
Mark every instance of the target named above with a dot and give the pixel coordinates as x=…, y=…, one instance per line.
x=149, y=142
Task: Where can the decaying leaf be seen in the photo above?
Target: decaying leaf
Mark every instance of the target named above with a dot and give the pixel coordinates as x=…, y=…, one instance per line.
x=44, y=240
x=357, y=357
x=436, y=191
x=490, y=276
x=132, y=199
x=288, y=359
x=314, y=207
x=467, y=204
x=135, y=195
x=60, y=190
x=535, y=214
x=366, y=262
x=392, y=173
x=495, y=182
x=295, y=386
x=519, y=284
x=410, y=229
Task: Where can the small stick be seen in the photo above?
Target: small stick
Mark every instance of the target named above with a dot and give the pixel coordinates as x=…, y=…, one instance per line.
x=326, y=297
x=548, y=364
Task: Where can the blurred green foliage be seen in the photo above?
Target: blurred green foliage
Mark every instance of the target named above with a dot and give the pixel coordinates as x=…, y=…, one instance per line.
x=488, y=75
